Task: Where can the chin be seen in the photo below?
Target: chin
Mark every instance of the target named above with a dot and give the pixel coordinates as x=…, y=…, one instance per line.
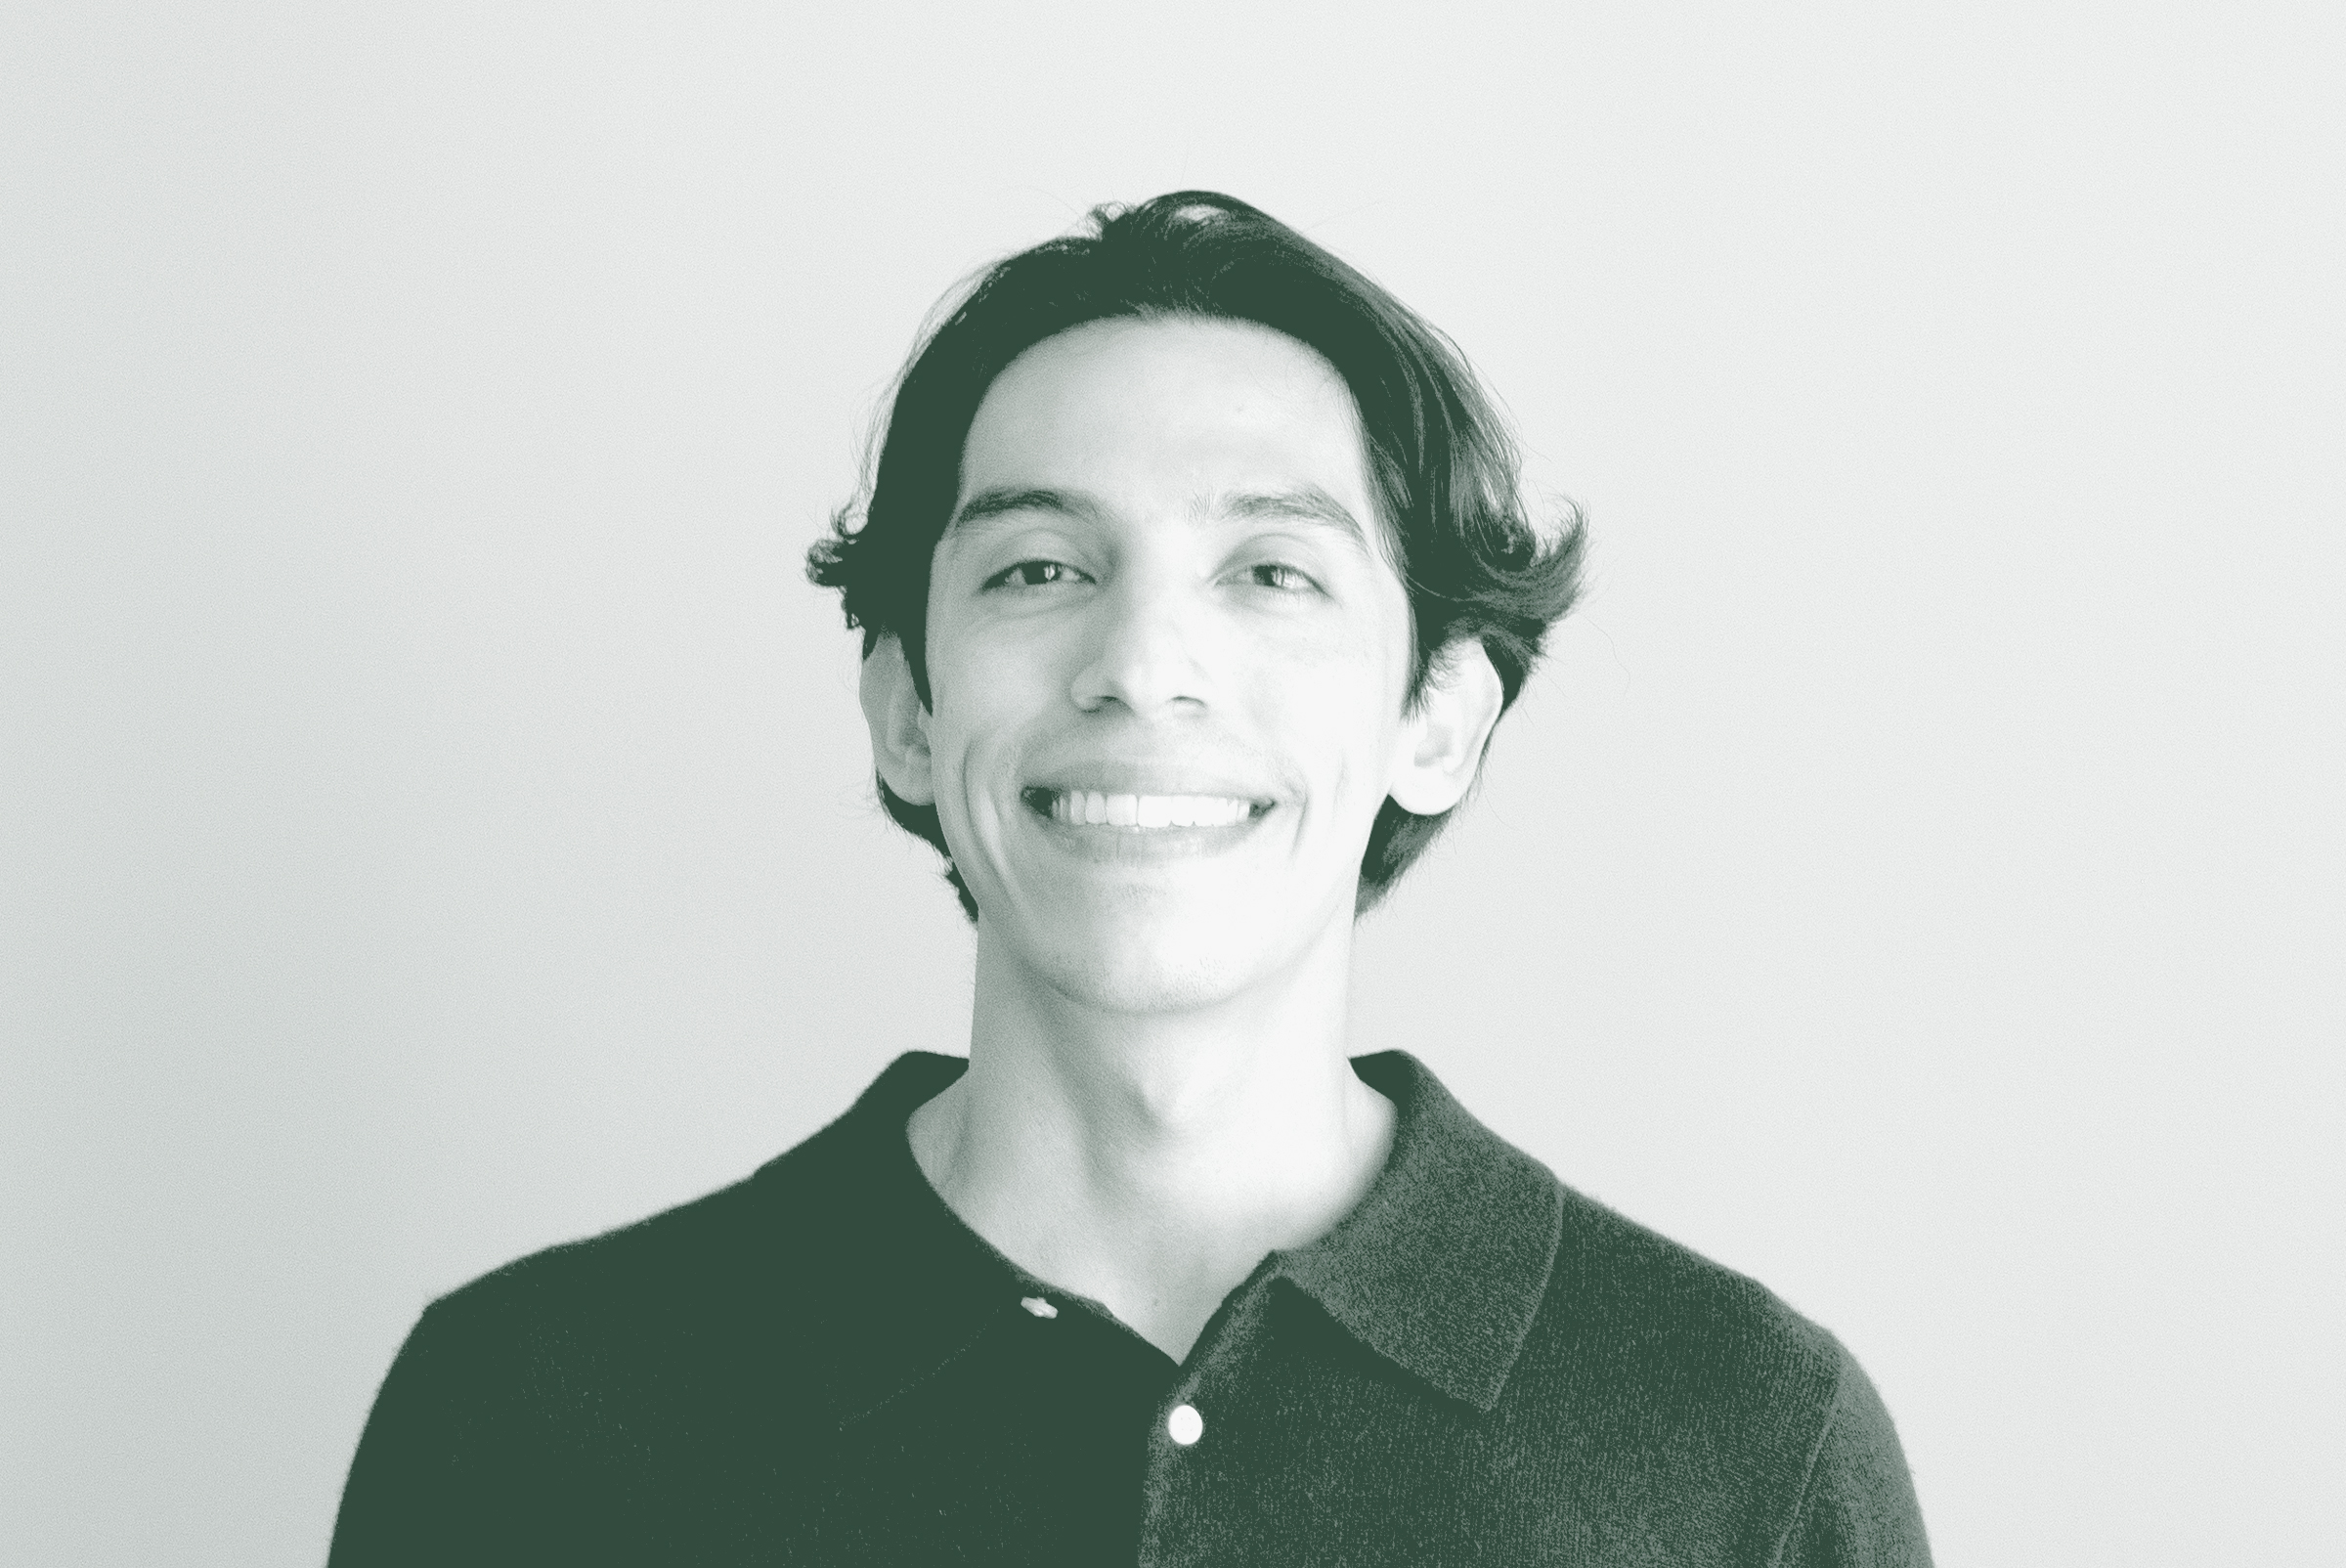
x=1153, y=966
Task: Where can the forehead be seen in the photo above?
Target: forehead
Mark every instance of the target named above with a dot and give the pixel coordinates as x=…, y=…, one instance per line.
x=1131, y=410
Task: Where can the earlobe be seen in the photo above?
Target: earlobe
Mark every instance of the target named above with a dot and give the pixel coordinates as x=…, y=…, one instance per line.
x=1443, y=738
x=899, y=721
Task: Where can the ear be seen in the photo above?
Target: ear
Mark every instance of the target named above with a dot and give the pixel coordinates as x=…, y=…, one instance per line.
x=1441, y=739
x=899, y=724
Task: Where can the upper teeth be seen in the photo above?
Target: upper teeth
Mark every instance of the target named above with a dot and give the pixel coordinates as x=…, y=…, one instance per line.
x=1149, y=810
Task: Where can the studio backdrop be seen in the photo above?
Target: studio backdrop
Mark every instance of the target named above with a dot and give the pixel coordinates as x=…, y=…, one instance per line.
x=436, y=820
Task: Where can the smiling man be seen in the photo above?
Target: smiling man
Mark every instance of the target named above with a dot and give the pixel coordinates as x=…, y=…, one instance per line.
x=1192, y=581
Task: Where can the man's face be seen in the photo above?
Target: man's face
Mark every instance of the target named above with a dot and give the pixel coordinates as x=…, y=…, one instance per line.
x=1167, y=656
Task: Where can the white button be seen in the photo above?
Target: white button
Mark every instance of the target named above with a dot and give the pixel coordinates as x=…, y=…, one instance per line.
x=1039, y=1306
x=1185, y=1424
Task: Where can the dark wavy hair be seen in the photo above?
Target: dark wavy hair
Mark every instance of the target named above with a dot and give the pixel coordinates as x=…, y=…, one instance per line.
x=1442, y=466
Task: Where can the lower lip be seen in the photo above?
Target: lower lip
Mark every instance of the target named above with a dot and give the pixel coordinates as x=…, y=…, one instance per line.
x=1110, y=844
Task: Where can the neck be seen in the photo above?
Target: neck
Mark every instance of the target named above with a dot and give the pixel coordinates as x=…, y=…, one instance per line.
x=1150, y=1160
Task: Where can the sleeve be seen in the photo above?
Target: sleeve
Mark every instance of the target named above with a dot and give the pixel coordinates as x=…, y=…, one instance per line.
x=425, y=1486
x=1857, y=1508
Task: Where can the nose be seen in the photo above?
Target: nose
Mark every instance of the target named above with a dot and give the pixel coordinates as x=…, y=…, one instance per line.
x=1143, y=651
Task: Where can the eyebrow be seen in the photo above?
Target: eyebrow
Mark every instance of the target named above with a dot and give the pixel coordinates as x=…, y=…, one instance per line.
x=1306, y=503
x=1003, y=499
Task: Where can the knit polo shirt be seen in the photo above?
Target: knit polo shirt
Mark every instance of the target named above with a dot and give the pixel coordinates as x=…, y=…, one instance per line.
x=822, y=1364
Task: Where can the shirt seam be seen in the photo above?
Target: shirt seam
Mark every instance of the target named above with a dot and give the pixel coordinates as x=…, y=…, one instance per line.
x=1816, y=1452
x=918, y=1380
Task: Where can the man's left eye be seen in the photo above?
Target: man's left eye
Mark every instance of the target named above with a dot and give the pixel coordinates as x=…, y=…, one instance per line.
x=1277, y=575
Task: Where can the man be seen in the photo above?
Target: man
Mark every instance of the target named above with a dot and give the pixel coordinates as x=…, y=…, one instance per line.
x=1193, y=580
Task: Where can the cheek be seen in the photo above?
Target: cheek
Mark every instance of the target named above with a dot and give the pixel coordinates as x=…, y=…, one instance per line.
x=1341, y=711
x=977, y=719
x=1370, y=665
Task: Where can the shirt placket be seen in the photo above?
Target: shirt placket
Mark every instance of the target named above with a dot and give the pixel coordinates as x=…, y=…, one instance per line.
x=1187, y=1495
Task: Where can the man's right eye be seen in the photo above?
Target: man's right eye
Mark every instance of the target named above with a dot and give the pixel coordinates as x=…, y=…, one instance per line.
x=1035, y=574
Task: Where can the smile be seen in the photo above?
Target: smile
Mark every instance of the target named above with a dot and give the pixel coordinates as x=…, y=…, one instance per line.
x=1141, y=812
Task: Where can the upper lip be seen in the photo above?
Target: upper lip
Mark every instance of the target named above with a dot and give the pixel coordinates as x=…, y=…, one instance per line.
x=1141, y=779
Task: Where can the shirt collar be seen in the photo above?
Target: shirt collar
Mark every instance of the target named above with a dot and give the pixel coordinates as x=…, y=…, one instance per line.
x=1443, y=1265
x=1440, y=1268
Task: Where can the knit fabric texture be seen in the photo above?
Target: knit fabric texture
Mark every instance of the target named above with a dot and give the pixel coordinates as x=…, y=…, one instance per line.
x=822, y=1364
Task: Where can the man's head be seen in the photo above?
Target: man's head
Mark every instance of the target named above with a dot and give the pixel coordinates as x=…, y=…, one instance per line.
x=1186, y=506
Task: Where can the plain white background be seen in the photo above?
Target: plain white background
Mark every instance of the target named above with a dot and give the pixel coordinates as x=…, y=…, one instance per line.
x=434, y=815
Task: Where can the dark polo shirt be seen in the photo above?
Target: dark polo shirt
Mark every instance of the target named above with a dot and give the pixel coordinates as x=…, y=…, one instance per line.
x=823, y=1364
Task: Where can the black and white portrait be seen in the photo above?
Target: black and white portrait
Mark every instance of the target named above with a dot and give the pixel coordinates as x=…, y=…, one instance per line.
x=1241, y=786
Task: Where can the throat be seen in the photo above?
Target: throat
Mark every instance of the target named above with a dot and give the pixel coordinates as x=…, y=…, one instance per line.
x=1158, y=1231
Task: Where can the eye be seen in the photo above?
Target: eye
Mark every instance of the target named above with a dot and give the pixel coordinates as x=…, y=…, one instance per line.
x=1281, y=577
x=1033, y=574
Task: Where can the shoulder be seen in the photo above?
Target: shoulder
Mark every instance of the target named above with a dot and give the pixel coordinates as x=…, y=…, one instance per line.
x=1618, y=1284
x=698, y=1293
x=748, y=1249
x=743, y=1246
x=1653, y=1340
x=1680, y=1379
x=528, y=1399
x=1660, y=1348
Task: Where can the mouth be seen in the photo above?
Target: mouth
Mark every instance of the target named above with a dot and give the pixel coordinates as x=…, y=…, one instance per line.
x=1142, y=813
